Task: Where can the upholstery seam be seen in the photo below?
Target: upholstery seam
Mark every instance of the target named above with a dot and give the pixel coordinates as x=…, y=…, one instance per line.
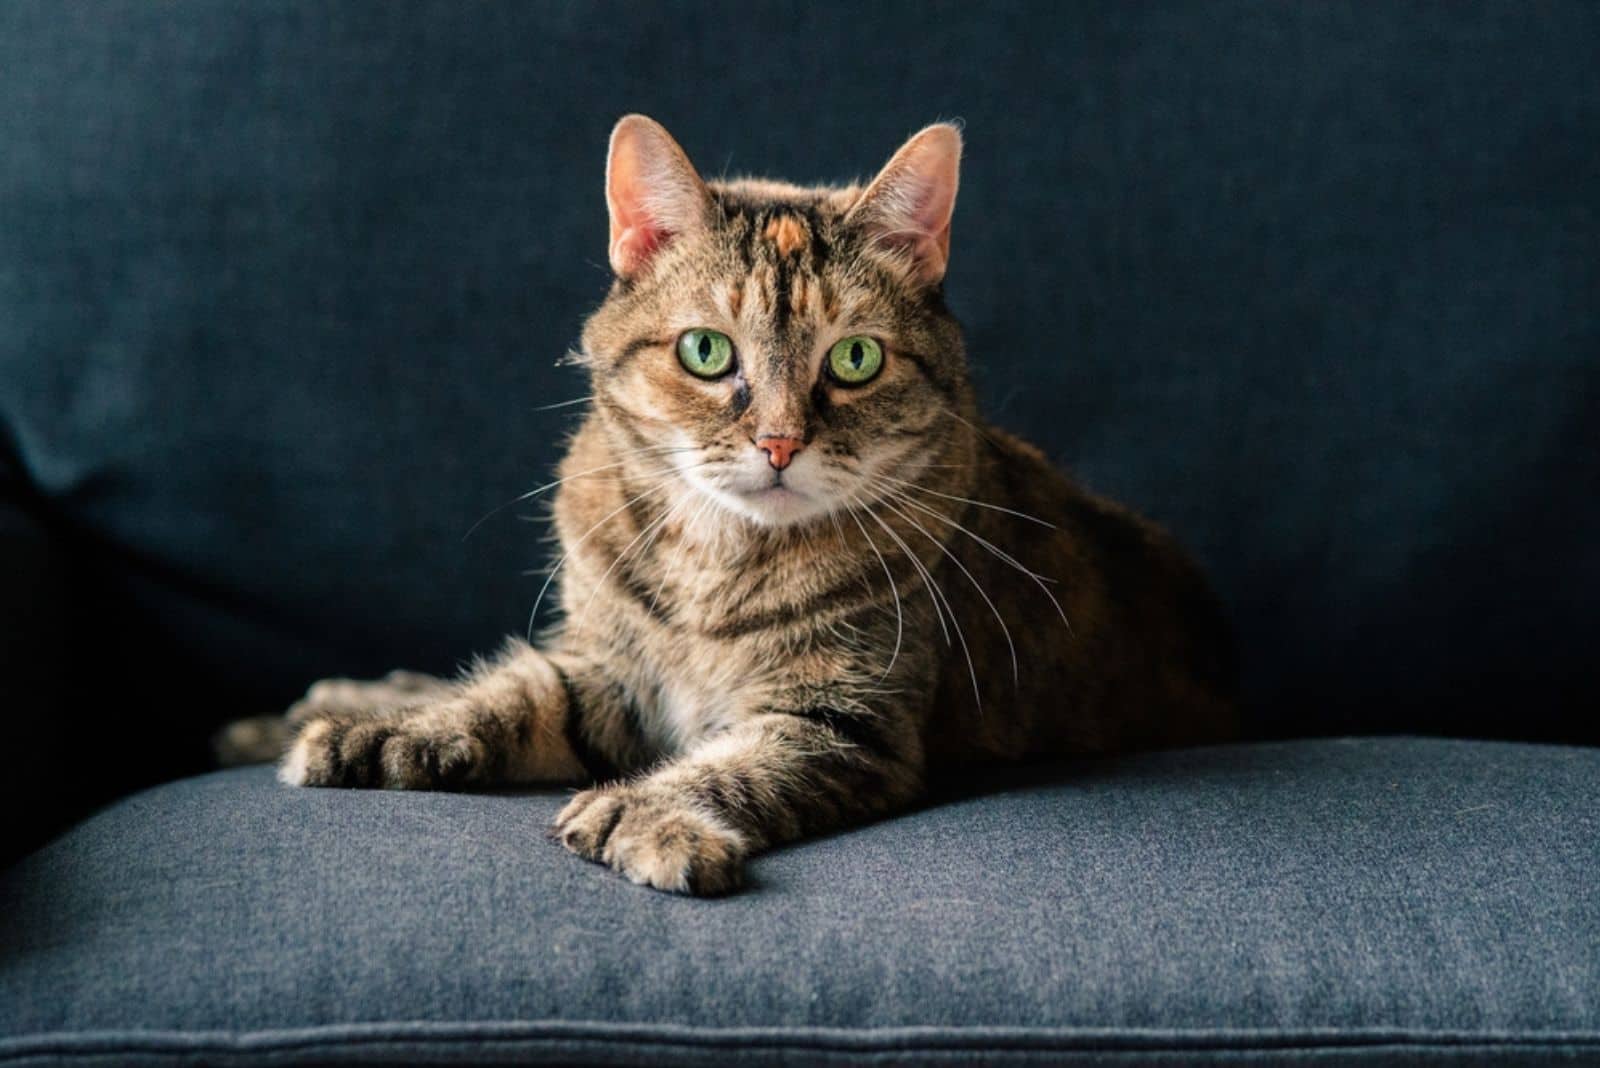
x=900, y=1040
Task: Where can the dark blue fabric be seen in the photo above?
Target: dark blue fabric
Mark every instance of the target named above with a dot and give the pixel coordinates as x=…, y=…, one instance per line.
x=281, y=287
x=1394, y=901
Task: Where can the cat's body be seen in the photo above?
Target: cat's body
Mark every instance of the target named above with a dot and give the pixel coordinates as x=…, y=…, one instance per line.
x=799, y=574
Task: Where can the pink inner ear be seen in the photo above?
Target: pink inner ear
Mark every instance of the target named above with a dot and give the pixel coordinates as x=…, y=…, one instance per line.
x=910, y=203
x=652, y=192
x=632, y=247
x=922, y=222
x=635, y=234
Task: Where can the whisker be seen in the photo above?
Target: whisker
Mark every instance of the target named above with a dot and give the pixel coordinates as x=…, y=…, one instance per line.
x=564, y=404
x=980, y=539
x=844, y=543
x=969, y=500
x=548, y=486
x=916, y=564
x=657, y=535
x=574, y=546
x=1016, y=677
x=976, y=429
x=934, y=587
x=899, y=617
x=672, y=565
x=1001, y=554
x=653, y=525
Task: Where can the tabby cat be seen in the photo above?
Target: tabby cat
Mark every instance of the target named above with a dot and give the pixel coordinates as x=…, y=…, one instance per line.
x=799, y=574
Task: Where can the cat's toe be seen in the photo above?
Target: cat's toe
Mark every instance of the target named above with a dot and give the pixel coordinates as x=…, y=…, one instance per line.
x=421, y=758
x=654, y=841
x=308, y=760
x=677, y=849
x=587, y=821
x=396, y=752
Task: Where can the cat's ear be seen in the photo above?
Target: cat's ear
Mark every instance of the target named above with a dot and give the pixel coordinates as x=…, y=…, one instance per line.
x=907, y=207
x=652, y=191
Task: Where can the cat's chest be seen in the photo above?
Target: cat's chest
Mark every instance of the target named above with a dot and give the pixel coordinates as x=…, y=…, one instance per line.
x=682, y=695
x=719, y=635
x=749, y=606
x=690, y=680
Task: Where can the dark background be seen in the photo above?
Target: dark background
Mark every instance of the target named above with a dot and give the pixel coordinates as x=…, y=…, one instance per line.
x=282, y=287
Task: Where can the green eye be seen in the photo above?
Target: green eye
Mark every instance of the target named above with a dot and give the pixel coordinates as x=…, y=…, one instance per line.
x=855, y=360
x=705, y=353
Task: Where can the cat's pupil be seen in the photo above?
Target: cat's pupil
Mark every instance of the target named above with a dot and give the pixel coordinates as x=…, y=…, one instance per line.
x=856, y=354
x=705, y=347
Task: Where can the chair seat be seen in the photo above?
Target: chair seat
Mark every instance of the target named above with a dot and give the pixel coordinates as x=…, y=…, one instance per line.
x=1406, y=900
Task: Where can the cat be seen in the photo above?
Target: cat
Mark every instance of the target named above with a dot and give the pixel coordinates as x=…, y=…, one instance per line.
x=799, y=574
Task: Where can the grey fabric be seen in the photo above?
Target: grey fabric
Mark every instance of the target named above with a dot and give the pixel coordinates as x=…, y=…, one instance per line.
x=1398, y=900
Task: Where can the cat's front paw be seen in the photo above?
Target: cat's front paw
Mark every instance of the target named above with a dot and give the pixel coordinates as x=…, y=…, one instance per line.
x=653, y=837
x=408, y=749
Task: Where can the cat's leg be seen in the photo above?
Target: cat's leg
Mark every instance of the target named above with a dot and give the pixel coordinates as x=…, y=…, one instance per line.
x=510, y=721
x=689, y=826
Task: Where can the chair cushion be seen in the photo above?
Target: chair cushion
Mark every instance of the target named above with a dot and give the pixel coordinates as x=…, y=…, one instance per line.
x=1403, y=900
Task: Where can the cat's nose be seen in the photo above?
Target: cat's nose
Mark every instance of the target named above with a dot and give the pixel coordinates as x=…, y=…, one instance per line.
x=780, y=450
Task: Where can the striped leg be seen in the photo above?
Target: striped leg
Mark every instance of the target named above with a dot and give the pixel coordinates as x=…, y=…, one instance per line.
x=689, y=826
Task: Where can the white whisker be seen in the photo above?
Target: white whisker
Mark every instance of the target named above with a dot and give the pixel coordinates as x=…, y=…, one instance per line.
x=672, y=565
x=969, y=500
x=548, y=486
x=934, y=588
x=574, y=546
x=564, y=404
x=899, y=617
x=1001, y=554
x=1016, y=677
x=653, y=525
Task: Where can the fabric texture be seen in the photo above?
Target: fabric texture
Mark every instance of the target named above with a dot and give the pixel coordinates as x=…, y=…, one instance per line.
x=1398, y=901
x=282, y=287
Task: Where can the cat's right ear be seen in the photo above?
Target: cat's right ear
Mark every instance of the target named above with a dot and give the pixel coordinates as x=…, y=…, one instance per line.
x=652, y=191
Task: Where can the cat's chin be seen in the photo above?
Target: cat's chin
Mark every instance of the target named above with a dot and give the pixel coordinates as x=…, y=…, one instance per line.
x=775, y=506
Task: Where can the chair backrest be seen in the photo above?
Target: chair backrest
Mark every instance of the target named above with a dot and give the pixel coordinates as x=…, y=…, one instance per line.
x=283, y=286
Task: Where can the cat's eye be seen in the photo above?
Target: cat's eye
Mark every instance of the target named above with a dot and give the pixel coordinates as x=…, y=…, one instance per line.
x=705, y=353
x=855, y=360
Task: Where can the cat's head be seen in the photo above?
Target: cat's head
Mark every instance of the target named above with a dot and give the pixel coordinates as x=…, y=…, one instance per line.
x=783, y=350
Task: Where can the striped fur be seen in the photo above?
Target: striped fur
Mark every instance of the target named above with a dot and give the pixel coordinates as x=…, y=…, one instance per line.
x=737, y=666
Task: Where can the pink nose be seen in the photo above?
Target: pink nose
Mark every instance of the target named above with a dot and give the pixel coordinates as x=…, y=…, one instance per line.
x=780, y=451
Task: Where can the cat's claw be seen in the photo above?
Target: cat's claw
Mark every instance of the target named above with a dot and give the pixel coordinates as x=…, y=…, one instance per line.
x=654, y=838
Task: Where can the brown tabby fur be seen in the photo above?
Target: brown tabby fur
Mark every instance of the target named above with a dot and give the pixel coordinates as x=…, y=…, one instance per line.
x=735, y=673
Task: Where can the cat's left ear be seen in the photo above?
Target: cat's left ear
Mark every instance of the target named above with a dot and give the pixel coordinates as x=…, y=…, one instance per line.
x=908, y=206
x=652, y=191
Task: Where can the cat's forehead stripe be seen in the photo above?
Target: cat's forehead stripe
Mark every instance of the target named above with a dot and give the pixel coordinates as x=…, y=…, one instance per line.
x=788, y=234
